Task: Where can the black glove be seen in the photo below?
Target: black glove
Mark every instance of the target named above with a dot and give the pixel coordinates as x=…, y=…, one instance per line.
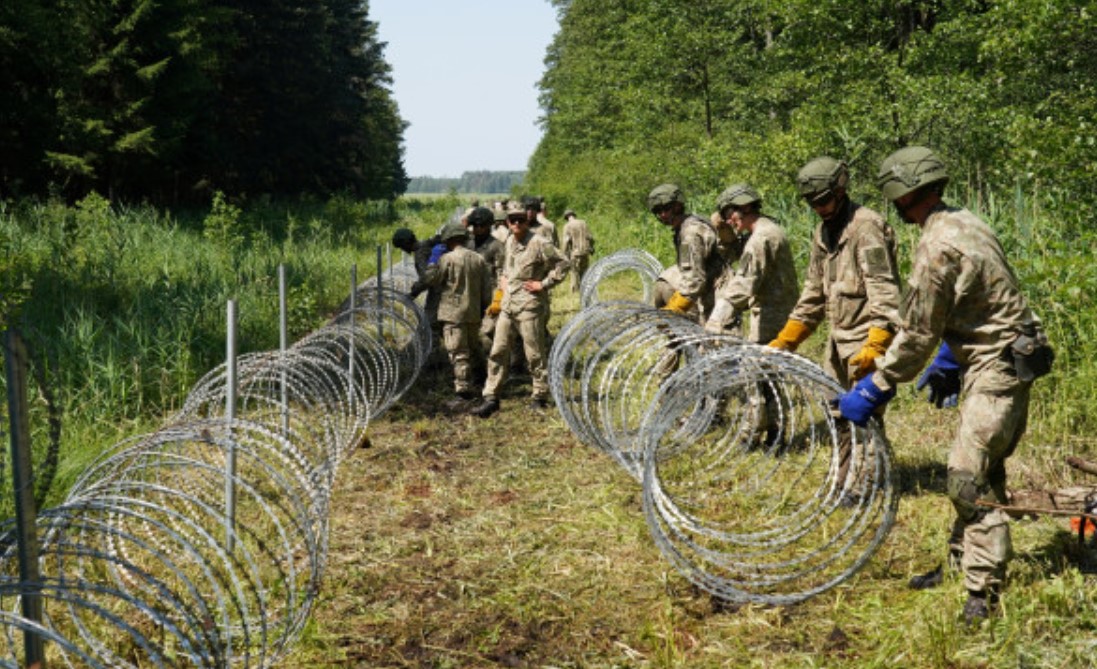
x=945, y=377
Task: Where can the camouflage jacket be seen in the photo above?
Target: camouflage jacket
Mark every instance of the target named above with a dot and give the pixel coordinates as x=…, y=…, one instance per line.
x=853, y=281
x=492, y=251
x=547, y=229
x=534, y=258
x=578, y=241
x=764, y=281
x=961, y=289
x=464, y=286
x=699, y=261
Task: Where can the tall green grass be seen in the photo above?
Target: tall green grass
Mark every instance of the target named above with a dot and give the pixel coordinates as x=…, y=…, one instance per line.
x=126, y=304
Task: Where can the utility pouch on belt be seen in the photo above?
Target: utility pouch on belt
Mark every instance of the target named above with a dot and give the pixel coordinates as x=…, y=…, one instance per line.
x=1032, y=355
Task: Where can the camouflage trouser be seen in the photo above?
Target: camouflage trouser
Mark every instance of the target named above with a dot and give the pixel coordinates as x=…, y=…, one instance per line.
x=993, y=417
x=579, y=265
x=487, y=331
x=460, y=340
x=838, y=367
x=532, y=330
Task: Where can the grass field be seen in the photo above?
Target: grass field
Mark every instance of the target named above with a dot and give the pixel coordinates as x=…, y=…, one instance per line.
x=457, y=542
x=461, y=542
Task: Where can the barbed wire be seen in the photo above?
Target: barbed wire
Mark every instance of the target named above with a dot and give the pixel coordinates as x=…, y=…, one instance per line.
x=752, y=487
x=147, y=563
x=645, y=266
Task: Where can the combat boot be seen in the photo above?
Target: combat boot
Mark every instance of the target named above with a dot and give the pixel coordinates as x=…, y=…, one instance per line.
x=489, y=406
x=979, y=605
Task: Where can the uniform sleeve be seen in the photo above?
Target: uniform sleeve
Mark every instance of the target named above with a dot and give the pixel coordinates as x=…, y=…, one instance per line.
x=876, y=251
x=925, y=311
x=558, y=265
x=811, y=308
x=434, y=276
x=487, y=283
x=691, y=262
x=745, y=282
x=421, y=255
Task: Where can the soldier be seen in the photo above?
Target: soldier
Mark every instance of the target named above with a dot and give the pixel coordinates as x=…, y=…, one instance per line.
x=578, y=247
x=500, y=231
x=531, y=267
x=698, y=261
x=492, y=251
x=765, y=281
x=852, y=277
x=962, y=290
x=538, y=222
x=463, y=280
x=405, y=240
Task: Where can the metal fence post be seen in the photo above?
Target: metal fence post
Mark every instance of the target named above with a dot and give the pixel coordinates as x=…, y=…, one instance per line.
x=15, y=356
x=230, y=415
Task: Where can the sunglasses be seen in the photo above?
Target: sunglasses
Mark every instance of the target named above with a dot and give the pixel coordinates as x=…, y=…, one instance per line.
x=821, y=200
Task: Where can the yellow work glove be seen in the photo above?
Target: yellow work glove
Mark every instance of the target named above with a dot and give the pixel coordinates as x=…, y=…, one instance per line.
x=496, y=303
x=792, y=335
x=678, y=304
x=864, y=361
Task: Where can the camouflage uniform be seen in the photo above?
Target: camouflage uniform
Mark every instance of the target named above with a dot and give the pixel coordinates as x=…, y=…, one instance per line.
x=764, y=282
x=464, y=284
x=523, y=312
x=963, y=290
x=853, y=281
x=546, y=229
x=578, y=247
x=493, y=252
x=699, y=263
x=421, y=255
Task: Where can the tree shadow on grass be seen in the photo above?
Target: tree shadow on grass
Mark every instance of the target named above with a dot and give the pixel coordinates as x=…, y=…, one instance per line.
x=921, y=478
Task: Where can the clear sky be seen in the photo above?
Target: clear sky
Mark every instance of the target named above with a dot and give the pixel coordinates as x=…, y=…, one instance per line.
x=465, y=76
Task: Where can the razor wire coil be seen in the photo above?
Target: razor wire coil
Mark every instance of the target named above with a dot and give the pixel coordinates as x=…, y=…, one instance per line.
x=142, y=565
x=752, y=487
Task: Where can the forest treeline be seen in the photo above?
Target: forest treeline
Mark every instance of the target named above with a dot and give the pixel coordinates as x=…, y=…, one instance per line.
x=481, y=181
x=706, y=92
x=172, y=100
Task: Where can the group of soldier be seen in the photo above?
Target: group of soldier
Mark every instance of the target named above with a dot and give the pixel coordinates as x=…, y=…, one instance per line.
x=488, y=280
x=961, y=292
x=490, y=288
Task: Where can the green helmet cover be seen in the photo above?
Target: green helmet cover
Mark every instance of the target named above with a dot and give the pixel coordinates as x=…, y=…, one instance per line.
x=821, y=177
x=909, y=169
x=453, y=231
x=665, y=194
x=481, y=216
x=737, y=195
x=403, y=237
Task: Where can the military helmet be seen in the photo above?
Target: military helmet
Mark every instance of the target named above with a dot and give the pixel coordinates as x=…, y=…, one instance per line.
x=403, y=237
x=737, y=195
x=500, y=215
x=531, y=202
x=909, y=169
x=452, y=231
x=515, y=209
x=480, y=216
x=821, y=177
x=569, y=212
x=665, y=194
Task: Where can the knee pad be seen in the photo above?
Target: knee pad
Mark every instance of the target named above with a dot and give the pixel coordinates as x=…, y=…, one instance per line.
x=964, y=489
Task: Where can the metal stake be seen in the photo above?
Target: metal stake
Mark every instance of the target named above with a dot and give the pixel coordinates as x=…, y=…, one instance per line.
x=22, y=484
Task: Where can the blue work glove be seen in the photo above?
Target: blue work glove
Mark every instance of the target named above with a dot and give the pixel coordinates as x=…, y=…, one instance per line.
x=436, y=253
x=944, y=376
x=859, y=404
